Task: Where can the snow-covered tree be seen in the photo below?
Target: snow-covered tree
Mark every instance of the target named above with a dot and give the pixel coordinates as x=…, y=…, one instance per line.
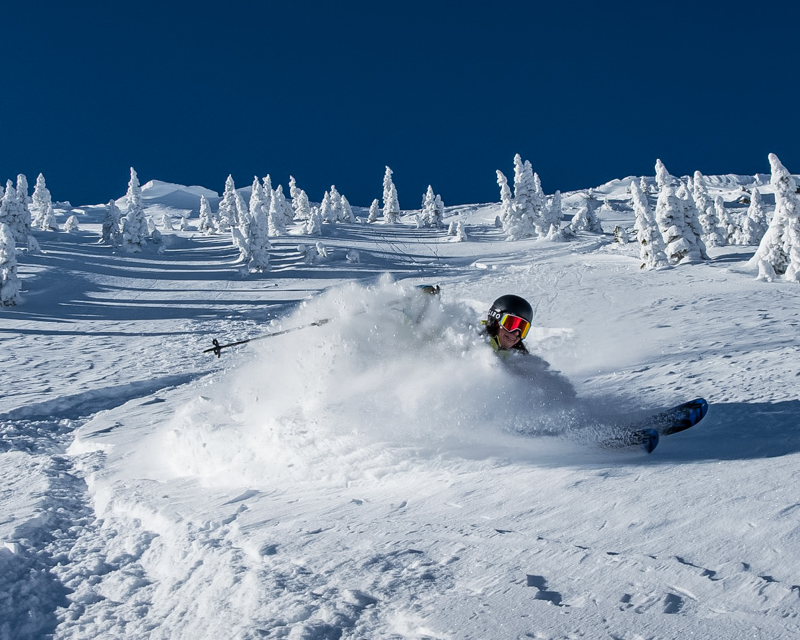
x=506, y=199
x=461, y=231
x=523, y=223
x=336, y=204
x=663, y=177
x=227, y=215
x=525, y=216
x=726, y=227
x=649, y=237
x=301, y=205
x=259, y=228
x=432, y=214
x=134, y=226
x=553, y=215
x=22, y=189
x=327, y=210
x=374, y=211
x=754, y=225
x=779, y=251
x=707, y=213
x=691, y=220
x=111, y=233
x=13, y=215
x=313, y=226
x=25, y=212
x=242, y=243
x=277, y=219
x=681, y=236
x=9, y=280
x=260, y=210
x=243, y=216
x=346, y=210
x=702, y=200
x=391, y=204
x=585, y=219
x=207, y=224
x=283, y=205
x=41, y=202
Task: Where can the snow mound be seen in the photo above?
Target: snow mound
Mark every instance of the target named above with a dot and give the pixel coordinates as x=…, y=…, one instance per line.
x=173, y=196
x=396, y=376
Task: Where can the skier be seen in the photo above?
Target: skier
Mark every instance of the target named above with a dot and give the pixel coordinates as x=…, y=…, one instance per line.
x=507, y=324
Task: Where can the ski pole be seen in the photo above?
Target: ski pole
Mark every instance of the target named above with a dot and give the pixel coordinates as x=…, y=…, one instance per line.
x=432, y=290
x=217, y=348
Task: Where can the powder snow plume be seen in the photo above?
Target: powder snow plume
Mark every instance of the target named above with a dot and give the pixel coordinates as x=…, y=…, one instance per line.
x=394, y=375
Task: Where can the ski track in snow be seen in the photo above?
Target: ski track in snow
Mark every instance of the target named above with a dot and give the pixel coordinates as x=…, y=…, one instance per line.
x=476, y=533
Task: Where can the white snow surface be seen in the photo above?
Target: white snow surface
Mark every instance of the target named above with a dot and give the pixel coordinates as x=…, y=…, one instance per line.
x=384, y=474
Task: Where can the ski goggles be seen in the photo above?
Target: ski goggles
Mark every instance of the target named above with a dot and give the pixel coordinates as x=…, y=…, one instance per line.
x=515, y=323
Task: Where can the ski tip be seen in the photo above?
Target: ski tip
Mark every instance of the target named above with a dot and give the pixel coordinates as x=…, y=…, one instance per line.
x=700, y=406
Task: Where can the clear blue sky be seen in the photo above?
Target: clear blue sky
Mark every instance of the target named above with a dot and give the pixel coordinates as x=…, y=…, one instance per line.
x=442, y=92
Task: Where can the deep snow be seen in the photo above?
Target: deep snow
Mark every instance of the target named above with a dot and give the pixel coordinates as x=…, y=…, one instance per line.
x=384, y=475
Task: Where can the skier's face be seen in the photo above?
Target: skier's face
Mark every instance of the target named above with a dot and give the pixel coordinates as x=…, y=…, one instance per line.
x=507, y=339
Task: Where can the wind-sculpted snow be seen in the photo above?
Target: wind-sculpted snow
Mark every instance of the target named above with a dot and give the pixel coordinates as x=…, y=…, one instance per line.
x=395, y=374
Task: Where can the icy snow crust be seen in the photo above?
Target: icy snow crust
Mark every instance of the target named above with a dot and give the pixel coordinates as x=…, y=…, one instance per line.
x=385, y=475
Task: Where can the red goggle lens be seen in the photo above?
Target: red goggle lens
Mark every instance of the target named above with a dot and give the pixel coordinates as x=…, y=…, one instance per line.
x=515, y=323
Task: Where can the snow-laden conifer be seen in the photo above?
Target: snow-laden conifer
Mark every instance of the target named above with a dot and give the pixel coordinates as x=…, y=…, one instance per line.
x=585, y=218
x=111, y=233
x=553, y=215
x=276, y=219
x=269, y=193
x=461, y=231
x=374, y=211
x=227, y=216
x=649, y=237
x=207, y=223
x=9, y=280
x=727, y=228
x=754, y=225
x=72, y=225
x=327, y=210
x=40, y=203
x=301, y=205
x=681, y=236
x=693, y=230
x=13, y=215
x=391, y=204
x=259, y=228
x=313, y=226
x=260, y=210
x=432, y=214
x=702, y=200
x=22, y=189
x=523, y=219
x=241, y=243
x=522, y=223
x=25, y=211
x=779, y=250
x=506, y=199
x=240, y=232
x=707, y=213
x=134, y=226
x=346, y=211
x=663, y=177
x=284, y=206
x=336, y=204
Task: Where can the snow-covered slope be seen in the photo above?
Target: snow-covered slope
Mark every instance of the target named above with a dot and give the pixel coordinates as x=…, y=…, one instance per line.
x=384, y=475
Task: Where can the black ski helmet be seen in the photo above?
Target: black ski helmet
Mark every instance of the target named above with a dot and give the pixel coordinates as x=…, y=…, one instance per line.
x=508, y=303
